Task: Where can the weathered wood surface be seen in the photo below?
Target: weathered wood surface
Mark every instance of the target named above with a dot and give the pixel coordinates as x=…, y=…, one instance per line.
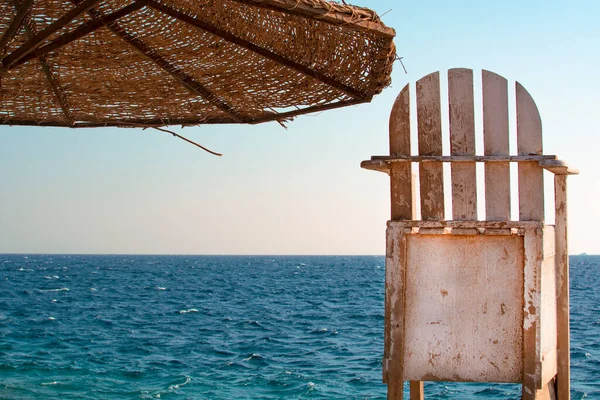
x=394, y=312
x=495, y=143
x=401, y=182
x=417, y=391
x=462, y=143
x=549, y=163
x=429, y=122
x=548, y=330
x=468, y=224
x=532, y=367
x=558, y=167
x=562, y=288
x=451, y=291
x=529, y=141
x=546, y=159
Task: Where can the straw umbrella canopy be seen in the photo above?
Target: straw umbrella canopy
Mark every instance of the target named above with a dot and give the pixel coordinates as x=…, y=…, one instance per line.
x=152, y=63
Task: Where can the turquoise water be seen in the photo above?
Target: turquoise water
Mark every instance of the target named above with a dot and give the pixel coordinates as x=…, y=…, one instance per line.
x=220, y=327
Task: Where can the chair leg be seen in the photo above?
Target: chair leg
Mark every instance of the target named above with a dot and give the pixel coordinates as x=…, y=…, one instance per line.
x=547, y=392
x=416, y=390
x=395, y=389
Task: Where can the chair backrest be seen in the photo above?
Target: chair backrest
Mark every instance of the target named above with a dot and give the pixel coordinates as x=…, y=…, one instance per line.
x=461, y=121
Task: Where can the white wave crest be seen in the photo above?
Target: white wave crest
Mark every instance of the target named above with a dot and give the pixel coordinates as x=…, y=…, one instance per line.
x=190, y=310
x=175, y=387
x=253, y=355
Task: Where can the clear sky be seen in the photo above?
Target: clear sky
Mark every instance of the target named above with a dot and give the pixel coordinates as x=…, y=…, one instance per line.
x=300, y=190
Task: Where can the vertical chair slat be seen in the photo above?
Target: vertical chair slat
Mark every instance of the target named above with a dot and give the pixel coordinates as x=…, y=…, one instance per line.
x=429, y=122
x=529, y=141
x=495, y=142
x=462, y=143
x=401, y=182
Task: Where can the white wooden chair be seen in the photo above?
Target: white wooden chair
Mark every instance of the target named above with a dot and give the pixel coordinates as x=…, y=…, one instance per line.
x=474, y=299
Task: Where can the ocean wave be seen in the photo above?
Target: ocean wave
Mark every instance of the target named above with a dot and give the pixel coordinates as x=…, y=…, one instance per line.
x=189, y=310
x=251, y=356
x=254, y=323
x=64, y=289
x=254, y=357
x=322, y=331
x=177, y=386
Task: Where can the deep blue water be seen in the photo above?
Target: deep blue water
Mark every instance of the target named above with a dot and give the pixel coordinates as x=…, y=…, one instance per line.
x=220, y=327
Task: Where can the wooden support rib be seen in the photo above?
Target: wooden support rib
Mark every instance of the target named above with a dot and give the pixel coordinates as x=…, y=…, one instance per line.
x=495, y=142
x=293, y=7
x=429, y=121
x=205, y=26
x=38, y=38
x=401, y=182
x=78, y=33
x=16, y=24
x=563, y=374
x=57, y=91
x=529, y=141
x=54, y=85
x=178, y=74
x=462, y=143
x=291, y=114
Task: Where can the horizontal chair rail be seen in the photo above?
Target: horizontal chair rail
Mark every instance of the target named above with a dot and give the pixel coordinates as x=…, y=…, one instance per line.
x=548, y=162
x=419, y=158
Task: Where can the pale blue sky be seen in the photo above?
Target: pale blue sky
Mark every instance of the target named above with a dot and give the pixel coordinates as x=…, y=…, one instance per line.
x=301, y=191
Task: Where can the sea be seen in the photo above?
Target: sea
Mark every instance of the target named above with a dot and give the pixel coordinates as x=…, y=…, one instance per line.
x=224, y=327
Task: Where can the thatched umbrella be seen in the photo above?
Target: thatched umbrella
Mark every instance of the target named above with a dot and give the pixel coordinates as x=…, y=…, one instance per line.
x=152, y=63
